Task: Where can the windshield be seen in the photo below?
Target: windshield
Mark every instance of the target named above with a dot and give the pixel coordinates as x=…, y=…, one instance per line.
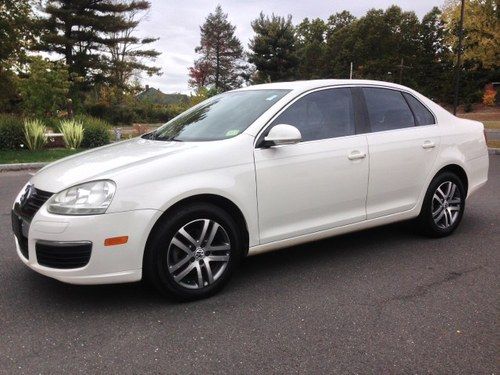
x=220, y=117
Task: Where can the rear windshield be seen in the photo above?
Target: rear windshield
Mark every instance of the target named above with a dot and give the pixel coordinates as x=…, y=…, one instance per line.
x=220, y=117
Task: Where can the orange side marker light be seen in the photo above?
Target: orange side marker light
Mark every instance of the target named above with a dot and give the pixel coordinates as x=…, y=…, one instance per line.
x=112, y=241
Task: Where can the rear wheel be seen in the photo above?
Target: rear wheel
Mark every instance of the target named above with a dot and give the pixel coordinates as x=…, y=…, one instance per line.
x=193, y=253
x=443, y=205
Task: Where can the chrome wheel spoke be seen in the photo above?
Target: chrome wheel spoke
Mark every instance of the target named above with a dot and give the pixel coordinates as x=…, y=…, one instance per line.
x=206, y=224
x=219, y=247
x=436, y=197
x=179, y=264
x=199, y=274
x=187, y=236
x=209, y=270
x=213, y=232
x=218, y=258
x=437, y=211
x=198, y=253
x=181, y=246
x=184, y=273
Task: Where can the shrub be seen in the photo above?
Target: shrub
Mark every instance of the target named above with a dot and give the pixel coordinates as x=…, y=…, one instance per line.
x=489, y=97
x=72, y=131
x=96, y=131
x=34, y=134
x=11, y=132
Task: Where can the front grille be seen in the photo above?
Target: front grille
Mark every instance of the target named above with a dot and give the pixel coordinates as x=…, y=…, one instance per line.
x=31, y=201
x=63, y=254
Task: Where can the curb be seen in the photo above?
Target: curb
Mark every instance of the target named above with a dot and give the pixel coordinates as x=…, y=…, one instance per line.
x=21, y=166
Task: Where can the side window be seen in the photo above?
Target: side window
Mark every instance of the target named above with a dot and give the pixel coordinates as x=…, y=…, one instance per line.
x=387, y=109
x=422, y=114
x=321, y=114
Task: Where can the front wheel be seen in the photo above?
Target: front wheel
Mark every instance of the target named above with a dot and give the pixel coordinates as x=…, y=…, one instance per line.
x=192, y=254
x=443, y=205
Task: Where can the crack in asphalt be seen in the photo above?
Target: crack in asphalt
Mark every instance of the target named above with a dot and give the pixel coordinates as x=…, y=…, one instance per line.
x=422, y=290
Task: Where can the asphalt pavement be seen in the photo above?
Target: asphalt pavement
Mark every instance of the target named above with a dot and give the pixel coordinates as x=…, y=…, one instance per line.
x=384, y=301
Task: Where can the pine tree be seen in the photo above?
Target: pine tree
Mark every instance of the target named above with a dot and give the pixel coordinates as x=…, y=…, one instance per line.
x=273, y=48
x=221, y=62
x=81, y=30
x=126, y=57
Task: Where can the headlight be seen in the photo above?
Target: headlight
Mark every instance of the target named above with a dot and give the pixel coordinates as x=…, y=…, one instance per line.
x=89, y=198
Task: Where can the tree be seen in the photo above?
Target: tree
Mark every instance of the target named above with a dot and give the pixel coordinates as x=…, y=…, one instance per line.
x=434, y=65
x=126, y=57
x=481, y=45
x=340, y=42
x=16, y=36
x=273, y=48
x=221, y=62
x=310, y=42
x=81, y=29
x=44, y=87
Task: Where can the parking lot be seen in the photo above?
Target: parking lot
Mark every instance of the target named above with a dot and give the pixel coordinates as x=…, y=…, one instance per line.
x=384, y=300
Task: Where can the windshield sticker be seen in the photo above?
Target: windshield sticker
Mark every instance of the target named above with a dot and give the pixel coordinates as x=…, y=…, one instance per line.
x=272, y=97
x=232, y=133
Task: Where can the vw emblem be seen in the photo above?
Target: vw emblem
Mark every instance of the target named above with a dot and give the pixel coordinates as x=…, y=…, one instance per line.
x=28, y=192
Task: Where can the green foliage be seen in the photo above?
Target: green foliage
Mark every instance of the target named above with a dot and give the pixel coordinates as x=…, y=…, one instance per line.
x=34, y=134
x=273, y=49
x=11, y=132
x=95, y=131
x=72, y=131
x=16, y=29
x=44, y=88
x=82, y=30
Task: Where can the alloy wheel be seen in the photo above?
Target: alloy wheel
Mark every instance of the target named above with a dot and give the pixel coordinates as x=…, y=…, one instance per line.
x=198, y=253
x=446, y=205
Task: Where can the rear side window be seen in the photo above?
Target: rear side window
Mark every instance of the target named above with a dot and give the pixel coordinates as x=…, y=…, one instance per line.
x=387, y=109
x=422, y=115
x=320, y=115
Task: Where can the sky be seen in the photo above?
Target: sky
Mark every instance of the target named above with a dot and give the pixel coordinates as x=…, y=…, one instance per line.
x=177, y=24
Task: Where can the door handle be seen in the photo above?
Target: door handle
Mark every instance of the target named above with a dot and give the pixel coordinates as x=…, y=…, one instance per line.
x=428, y=144
x=355, y=155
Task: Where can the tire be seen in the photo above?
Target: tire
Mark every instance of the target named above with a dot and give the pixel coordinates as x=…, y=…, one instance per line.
x=179, y=266
x=442, y=209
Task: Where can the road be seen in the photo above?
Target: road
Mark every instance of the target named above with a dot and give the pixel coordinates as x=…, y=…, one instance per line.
x=380, y=301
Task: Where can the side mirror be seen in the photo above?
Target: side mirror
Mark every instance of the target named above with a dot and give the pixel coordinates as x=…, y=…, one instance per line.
x=283, y=134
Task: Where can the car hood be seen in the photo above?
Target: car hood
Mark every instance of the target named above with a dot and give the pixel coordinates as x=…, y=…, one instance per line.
x=101, y=162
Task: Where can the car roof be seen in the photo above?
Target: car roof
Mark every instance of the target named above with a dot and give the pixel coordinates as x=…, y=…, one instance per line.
x=317, y=83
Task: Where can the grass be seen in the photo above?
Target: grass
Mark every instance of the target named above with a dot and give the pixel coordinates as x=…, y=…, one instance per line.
x=26, y=156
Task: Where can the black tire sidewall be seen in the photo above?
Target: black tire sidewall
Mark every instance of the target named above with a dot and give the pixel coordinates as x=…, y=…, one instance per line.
x=158, y=249
x=426, y=220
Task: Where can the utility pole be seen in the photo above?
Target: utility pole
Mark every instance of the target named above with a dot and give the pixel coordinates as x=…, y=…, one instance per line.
x=350, y=73
x=459, y=56
x=401, y=66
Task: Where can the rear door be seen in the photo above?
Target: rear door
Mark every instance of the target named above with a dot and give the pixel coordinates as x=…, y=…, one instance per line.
x=319, y=183
x=403, y=142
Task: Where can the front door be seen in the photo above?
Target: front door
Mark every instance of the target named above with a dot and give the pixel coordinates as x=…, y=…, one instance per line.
x=319, y=183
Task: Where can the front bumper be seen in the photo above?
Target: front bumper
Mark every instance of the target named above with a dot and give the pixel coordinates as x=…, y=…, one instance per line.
x=107, y=264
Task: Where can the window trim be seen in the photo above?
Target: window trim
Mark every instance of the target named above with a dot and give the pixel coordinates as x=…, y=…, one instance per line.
x=259, y=139
x=361, y=123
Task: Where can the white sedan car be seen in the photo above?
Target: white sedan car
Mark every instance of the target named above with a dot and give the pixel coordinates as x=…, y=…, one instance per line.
x=247, y=171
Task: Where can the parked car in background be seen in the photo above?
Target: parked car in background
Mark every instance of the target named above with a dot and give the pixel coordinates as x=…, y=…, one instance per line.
x=244, y=172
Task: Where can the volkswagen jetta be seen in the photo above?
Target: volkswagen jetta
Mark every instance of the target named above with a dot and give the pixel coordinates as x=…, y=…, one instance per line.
x=247, y=171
